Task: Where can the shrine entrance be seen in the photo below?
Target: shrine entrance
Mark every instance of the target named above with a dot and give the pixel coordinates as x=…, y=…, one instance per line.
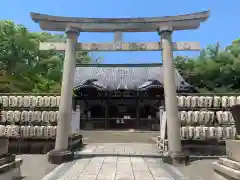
x=165, y=26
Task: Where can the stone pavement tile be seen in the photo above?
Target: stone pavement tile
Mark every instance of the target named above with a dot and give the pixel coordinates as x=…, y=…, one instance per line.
x=150, y=160
x=91, y=170
x=163, y=178
x=97, y=160
x=158, y=172
x=87, y=177
x=75, y=170
x=143, y=175
x=107, y=175
x=136, y=159
x=124, y=170
x=153, y=165
x=110, y=159
x=124, y=177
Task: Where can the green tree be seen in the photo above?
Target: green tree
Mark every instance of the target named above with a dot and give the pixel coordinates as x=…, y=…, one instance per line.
x=26, y=69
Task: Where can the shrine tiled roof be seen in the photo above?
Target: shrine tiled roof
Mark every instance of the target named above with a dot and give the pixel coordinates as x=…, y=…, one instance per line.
x=122, y=76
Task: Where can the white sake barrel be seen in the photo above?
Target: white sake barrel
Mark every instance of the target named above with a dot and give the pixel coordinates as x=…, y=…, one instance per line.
x=184, y=132
x=2, y=130
x=38, y=115
x=225, y=117
x=53, y=101
x=219, y=115
x=190, y=117
x=20, y=101
x=212, y=132
x=211, y=116
x=7, y=130
x=49, y=131
x=54, y=131
x=181, y=101
x=15, y=131
x=37, y=131
x=32, y=101
x=52, y=116
x=30, y=116
x=198, y=132
x=3, y=116
x=10, y=116
x=1, y=100
x=5, y=101
x=30, y=131
x=183, y=117
x=238, y=100
x=24, y=116
x=45, y=116
x=24, y=131
x=43, y=131
x=228, y=132
x=209, y=101
x=217, y=101
x=39, y=101
x=225, y=101
x=231, y=119
x=26, y=100
x=205, y=132
x=46, y=101
x=191, y=131
x=220, y=132
x=58, y=100
x=12, y=101
x=194, y=101
x=196, y=115
x=205, y=117
x=57, y=115
x=201, y=117
x=201, y=101
x=232, y=101
x=188, y=101
x=17, y=116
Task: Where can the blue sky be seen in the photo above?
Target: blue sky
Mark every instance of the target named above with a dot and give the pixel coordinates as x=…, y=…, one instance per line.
x=223, y=24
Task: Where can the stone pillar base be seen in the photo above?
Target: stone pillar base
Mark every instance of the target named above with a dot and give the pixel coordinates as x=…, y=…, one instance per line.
x=180, y=159
x=59, y=157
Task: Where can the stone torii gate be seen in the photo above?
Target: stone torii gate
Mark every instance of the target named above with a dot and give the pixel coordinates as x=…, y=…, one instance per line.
x=73, y=26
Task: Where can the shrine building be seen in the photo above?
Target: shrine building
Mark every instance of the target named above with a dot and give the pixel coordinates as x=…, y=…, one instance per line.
x=122, y=96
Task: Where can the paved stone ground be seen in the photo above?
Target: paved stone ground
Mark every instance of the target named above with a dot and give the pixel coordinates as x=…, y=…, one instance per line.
x=119, y=136
x=111, y=168
x=116, y=167
x=198, y=170
x=35, y=166
x=120, y=149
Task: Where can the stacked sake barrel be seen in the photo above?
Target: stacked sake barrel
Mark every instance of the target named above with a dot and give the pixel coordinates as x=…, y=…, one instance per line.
x=29, y=116
x=207, y=117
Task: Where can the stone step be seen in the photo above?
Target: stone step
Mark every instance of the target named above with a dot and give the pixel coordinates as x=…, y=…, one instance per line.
x=8, y=166
x=224, y=171
x=7, y=159
x=229, y=163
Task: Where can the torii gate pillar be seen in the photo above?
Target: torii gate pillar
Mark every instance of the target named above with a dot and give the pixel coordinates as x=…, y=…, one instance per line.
x=61, y=153
x=173, y=122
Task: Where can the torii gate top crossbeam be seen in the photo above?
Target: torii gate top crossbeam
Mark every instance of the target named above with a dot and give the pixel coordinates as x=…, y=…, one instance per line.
x=149, y=24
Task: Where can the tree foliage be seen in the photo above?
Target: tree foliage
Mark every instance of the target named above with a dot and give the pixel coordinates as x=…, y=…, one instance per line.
x=214, y=70
x=23, y=68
